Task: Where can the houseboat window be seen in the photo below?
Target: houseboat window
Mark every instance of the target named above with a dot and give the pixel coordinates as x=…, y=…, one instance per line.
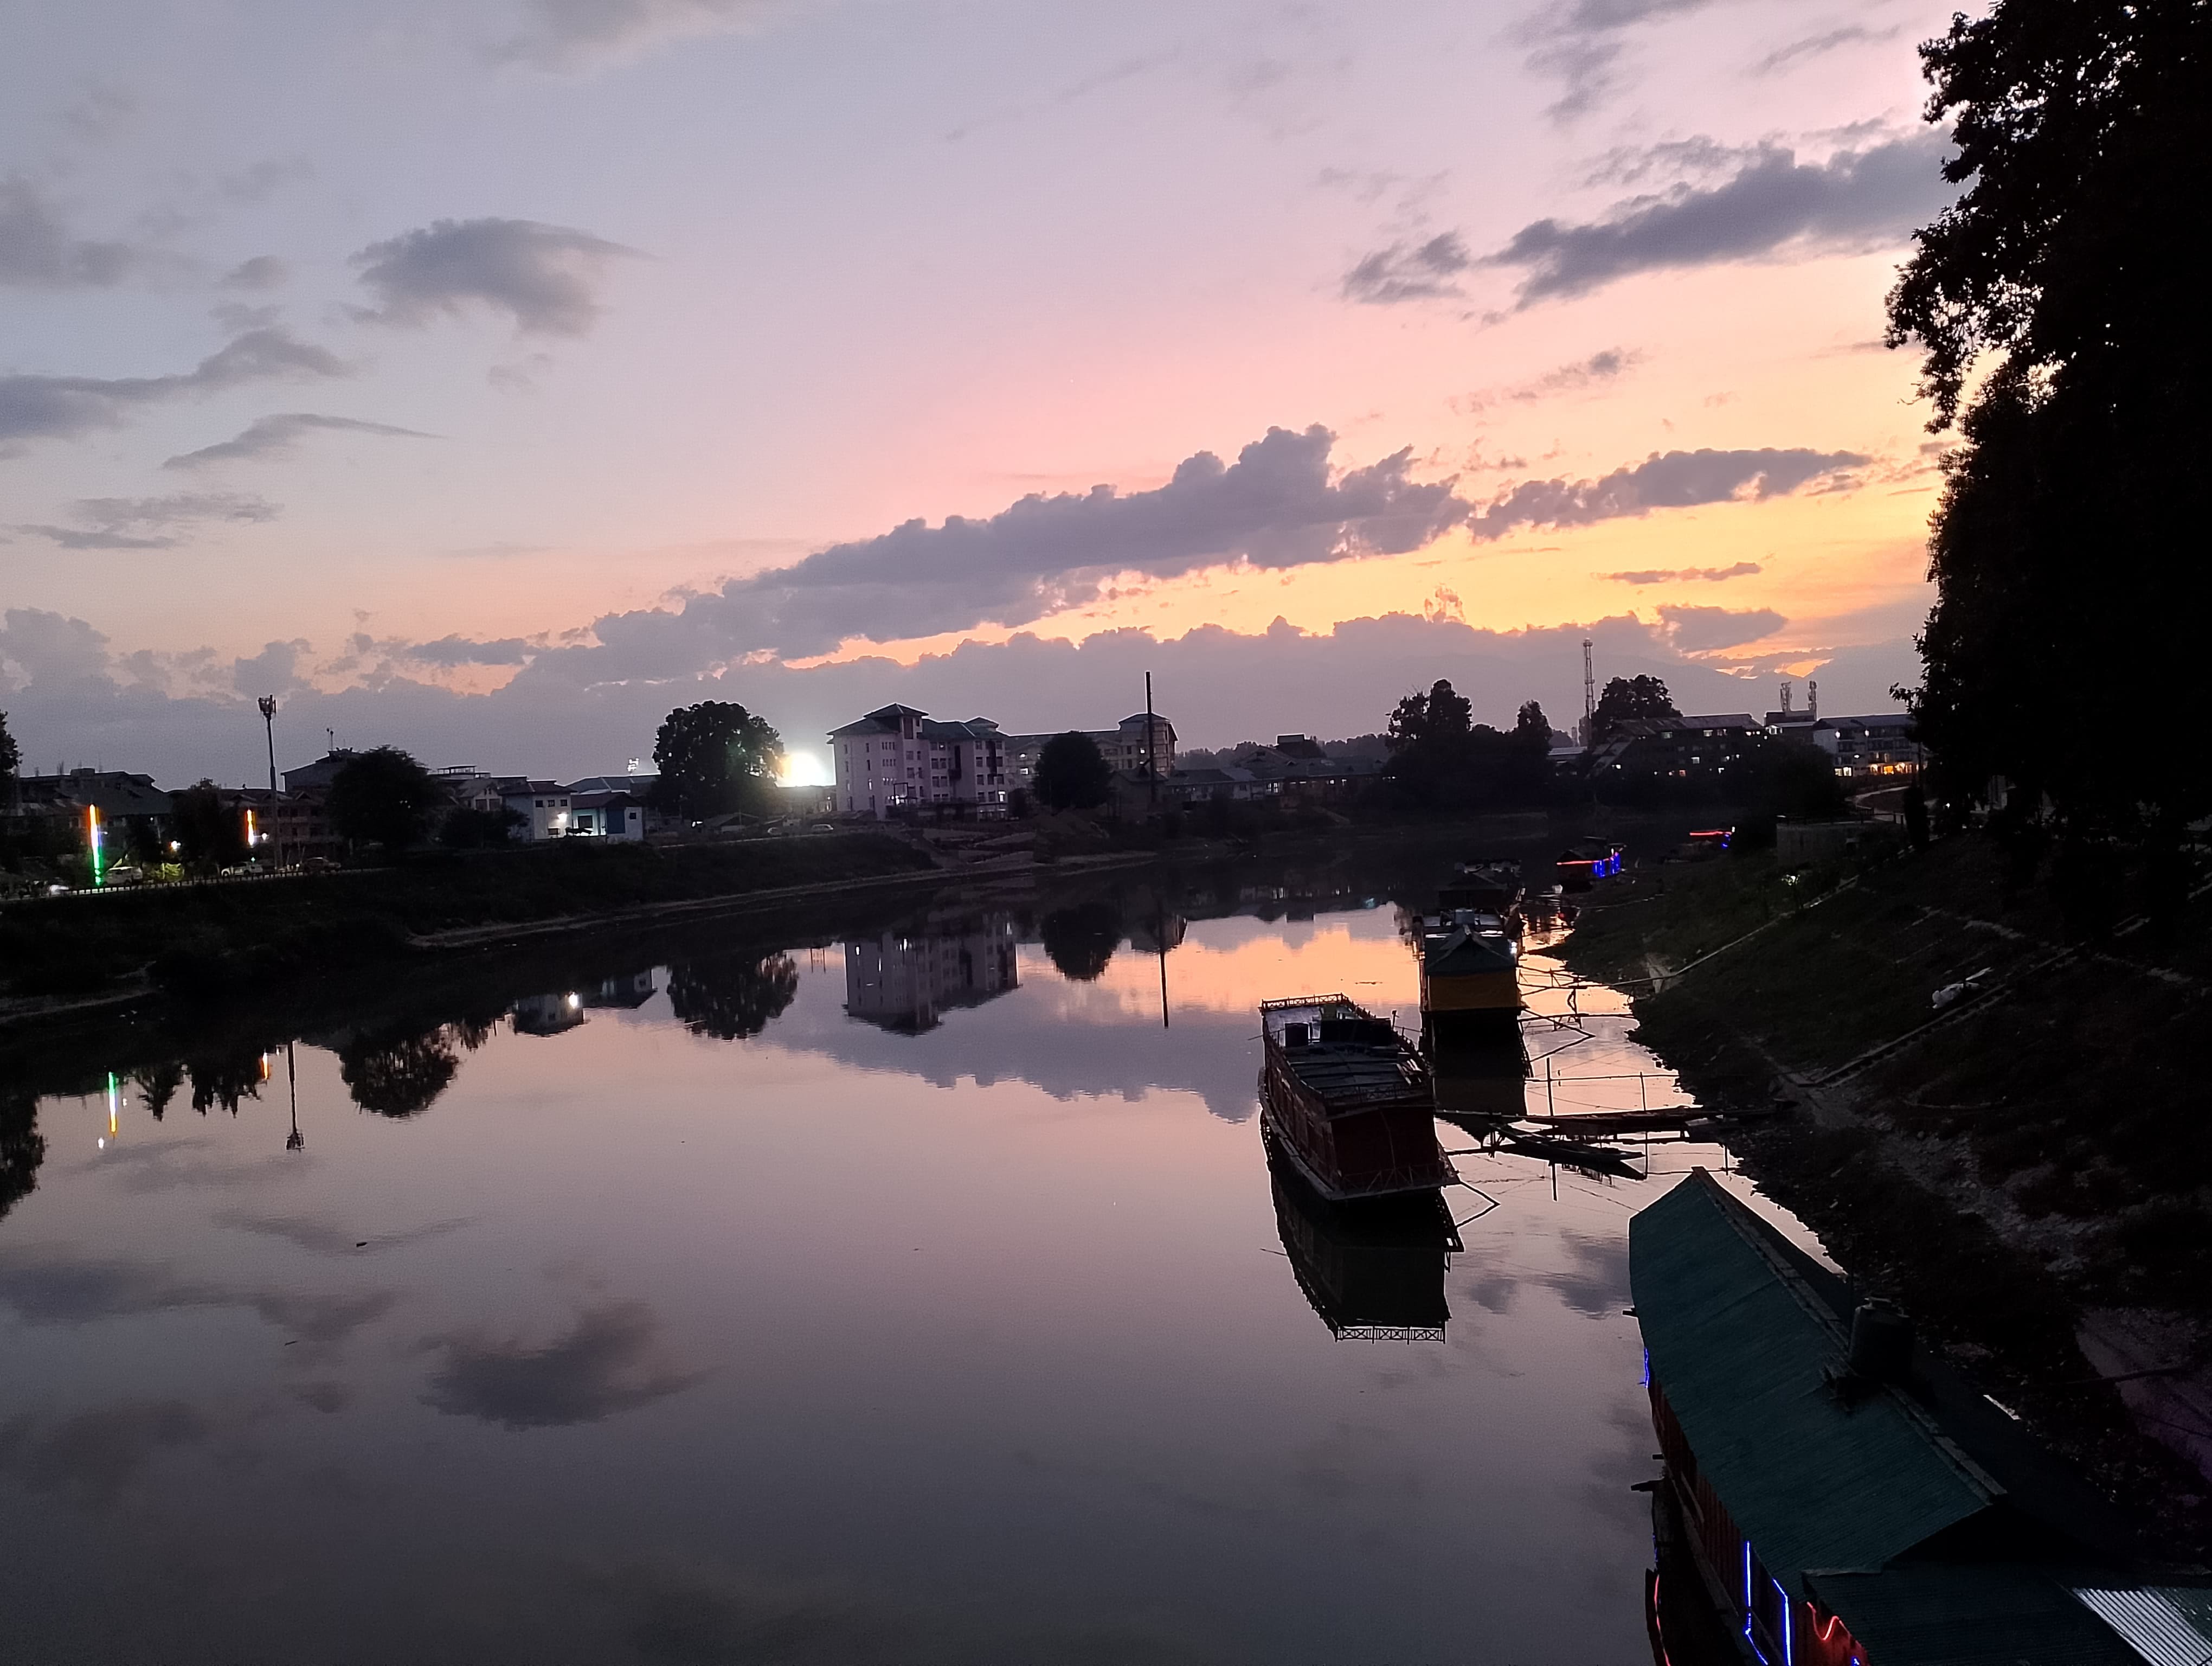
x=1295, y=1035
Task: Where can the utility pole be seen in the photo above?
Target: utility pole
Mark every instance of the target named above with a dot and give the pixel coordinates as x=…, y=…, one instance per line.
x=269, y=726
x=1152, y=761
x=1589, y=697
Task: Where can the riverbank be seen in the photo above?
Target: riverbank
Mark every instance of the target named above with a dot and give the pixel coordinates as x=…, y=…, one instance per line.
x=2025, y=1168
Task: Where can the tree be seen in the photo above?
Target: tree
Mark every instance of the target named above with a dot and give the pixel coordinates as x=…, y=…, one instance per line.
x=1441, y=715
x=464, y=829
x=22, y=1148
x=1072, y=773
x=1631, y=699
x=11, y=760
x=2066, y=271
x=384, y=797
x=1532, y=728
x=399, y=1072
x=1081, y=939
x=209, y=832
x=716, y=757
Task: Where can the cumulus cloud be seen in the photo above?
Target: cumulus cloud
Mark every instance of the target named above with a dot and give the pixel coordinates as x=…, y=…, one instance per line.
x=269, y=438
x=580, y=35
x=149, y=523
x=62, y=407
x=1702, y=629
x=545, y=277
x=450, y=651
x=38, y=251
x=1742, y=569
x=275, y=669
x=1771, y=205
x=1675, y=480
x=1404, y=272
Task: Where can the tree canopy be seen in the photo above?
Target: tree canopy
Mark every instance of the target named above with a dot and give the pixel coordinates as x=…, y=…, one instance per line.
x=211, y=832
x=385, y=797
x=1631, y=699
x=1440, y=756
x=2054, y=304
x=716, y=757
x=11, y=760
x=1071, y=772
x=732, y=996
x=1080, y=941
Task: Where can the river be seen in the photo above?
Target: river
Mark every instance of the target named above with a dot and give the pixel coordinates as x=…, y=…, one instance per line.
x=920, y=1295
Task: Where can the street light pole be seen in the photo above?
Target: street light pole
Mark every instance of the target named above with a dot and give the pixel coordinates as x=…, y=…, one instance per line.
x=268, y=723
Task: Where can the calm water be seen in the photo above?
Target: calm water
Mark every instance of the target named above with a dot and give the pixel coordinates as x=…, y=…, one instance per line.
x=902, y=1297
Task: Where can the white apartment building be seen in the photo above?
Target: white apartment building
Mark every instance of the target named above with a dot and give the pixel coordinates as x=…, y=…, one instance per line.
x=897, y=759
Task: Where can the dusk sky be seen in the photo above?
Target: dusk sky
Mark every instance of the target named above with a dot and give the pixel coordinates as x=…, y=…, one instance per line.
x=489, y=376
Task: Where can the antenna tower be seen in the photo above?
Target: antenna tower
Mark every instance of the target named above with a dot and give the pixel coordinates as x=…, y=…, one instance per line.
x=1589, y=693
x=1812, y=698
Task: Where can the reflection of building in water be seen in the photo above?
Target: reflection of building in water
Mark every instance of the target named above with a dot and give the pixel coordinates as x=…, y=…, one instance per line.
x=1837, y=1496
x=633, y=990
x=547, y=1015
x=1374, y=1270
x=903, y=980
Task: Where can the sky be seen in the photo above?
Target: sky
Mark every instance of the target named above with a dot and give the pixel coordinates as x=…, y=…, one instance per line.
x=487, y=377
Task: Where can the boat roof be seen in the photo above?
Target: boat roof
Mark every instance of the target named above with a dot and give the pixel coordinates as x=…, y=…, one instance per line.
x=1347, y=1075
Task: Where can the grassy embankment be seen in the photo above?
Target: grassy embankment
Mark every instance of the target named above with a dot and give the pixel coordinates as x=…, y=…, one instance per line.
x=202, y=940
x=2037, y=1153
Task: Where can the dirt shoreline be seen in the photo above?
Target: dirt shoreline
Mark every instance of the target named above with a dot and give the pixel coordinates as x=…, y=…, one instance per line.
x=1923, y=1154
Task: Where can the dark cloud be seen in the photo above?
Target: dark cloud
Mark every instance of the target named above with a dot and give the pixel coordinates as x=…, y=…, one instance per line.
x=150, y=523
x=39, y=251
x=1742, y=569
x=1276, y=506
x=1679, y=479
x=461, y=651
x=578, y=34
x=1416, y=271
x=56, y=1287
x=1580, y=46
x=545, y=277
x=1701, y=630
x=262, y=271
x=97, y=1454
x=1772, y=203
x=1579, y=377
x=269, y=438
x=1815, y=45
x=61, y=407
x=610, y=1360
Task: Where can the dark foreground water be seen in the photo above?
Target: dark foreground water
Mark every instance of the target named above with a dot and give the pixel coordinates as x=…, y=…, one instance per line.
x=904, y=1297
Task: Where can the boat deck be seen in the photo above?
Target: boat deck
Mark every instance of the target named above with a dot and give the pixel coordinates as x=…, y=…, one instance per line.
x=1346, y=1058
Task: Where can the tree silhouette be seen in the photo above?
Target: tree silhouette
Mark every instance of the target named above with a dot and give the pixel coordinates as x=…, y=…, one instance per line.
x=399, y=1072
x=730, y=997
x=2066, y=268
x=385, y=797
x=212, y=833
x=1081, y=939
x=1071, y=772
x=1631, y=699
x=158, y=1084
x=716, y=757
x=22, y=1148
x=222, y=1082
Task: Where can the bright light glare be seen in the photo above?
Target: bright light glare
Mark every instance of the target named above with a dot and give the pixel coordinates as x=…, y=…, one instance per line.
x=805, y=769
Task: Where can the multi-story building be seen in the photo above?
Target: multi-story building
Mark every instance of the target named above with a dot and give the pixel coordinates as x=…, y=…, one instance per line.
x=899, y=761
x=1881, y=745
x=902, y=982
x=1141, y=743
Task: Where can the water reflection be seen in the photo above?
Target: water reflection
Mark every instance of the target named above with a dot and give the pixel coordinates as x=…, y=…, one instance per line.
x=732, y=996
x=1082, y=940
x=904, y=981
x=1373, y=1271
x=400, y=1073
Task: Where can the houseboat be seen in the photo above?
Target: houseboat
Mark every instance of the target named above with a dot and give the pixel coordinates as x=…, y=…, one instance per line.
x=1581, y=866
x=1833, y=1495
x=1491, y=885
x=1347, y=1100
x=1375, y=1272
x=1470, y=975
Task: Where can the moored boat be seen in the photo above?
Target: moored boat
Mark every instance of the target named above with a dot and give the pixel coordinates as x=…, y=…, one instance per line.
x=1348, y=1100
x=1470, y=974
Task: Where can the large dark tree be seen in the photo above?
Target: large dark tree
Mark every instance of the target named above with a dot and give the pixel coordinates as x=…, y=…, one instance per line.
x=713, y=758
x=385, y=797
x=2067, y=551
x=1071, y=772
x=1441, y=715
x=1441, y=758
x=1631, y=699
x=399, y=1072
x=210, y=833
x=730, y=997
x=11, y=759
x=1081, y=939
x=22, y=1148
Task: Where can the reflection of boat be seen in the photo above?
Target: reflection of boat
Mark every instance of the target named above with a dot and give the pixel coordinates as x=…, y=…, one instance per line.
x=1483, y=1077
x=1373, y=1270
x=1487, y=887
x=1834, y=1494
x=547, y=1015
x=1470, y=973
x=1348, y=1099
